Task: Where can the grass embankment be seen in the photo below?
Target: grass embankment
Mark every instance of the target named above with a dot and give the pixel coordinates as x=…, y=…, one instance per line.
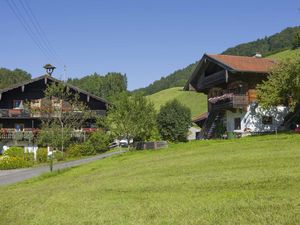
x=197, y=102
x=254, y=180
x=285, y=54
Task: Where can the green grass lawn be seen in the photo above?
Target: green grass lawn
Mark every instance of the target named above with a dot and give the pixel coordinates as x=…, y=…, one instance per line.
x=197, y=102
x=285, y=54
x=253, y=180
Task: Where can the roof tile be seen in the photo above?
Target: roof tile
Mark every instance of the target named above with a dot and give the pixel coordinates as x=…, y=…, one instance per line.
x=245, y=63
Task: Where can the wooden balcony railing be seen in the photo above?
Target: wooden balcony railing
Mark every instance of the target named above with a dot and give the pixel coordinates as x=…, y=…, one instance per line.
x=11, y=134
x=32, y=134
x=229, y=101
x=23, y=113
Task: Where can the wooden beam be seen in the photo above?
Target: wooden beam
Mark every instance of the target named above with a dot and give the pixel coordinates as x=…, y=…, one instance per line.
x=23, y=88
x=88, y=98
x=212, y=80
x=0, y=96
x=226, y=76
x=46, y=80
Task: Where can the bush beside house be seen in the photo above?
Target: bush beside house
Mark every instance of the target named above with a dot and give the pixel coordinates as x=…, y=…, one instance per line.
x=15, y=157
x=174, y=121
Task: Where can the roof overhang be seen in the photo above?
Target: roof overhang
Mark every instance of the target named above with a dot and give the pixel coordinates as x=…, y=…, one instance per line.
x=46, y=78
x=226, y=66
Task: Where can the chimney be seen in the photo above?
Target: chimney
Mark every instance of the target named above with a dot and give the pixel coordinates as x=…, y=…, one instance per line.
x=257, y=55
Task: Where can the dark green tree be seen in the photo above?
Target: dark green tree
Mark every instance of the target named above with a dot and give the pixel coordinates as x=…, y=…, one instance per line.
x=296, y=42
x=174, y=120
x=12, y=77
x=106, y=86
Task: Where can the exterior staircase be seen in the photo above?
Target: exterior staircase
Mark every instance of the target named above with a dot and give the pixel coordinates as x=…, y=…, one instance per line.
x=209, y=125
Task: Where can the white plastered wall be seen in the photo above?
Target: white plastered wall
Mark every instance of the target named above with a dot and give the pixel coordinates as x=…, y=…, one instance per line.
x=252, y=119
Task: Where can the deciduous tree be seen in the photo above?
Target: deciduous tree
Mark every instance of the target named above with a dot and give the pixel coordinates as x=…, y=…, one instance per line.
x=132, y=117
x=282, y=85
x=61, y=112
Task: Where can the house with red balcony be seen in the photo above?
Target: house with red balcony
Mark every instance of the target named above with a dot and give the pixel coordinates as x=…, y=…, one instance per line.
x=16, y=120
x=230, y=85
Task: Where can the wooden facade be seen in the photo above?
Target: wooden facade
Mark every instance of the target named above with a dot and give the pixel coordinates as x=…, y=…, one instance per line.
x=230, y=85
x=15, y=117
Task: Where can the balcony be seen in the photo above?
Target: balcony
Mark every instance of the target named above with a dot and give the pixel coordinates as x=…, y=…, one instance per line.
x=30, y=134
x=24, y=114
x=229, y=101
x=14, y=113
x=11, y=134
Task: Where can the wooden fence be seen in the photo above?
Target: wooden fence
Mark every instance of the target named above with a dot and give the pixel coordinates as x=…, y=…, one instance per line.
x=150, y=145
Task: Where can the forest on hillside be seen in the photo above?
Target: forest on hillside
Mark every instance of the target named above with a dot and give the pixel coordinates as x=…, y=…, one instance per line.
x=11, y=77
x=105, y=86
x=175, y=79
x=266, y=46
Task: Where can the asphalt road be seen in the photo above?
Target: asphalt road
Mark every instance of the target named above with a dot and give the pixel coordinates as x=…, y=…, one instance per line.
x=17, y=175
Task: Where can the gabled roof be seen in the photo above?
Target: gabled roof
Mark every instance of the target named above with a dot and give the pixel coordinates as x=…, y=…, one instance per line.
x=244, y=63
x=232, y=63
x=54, y=80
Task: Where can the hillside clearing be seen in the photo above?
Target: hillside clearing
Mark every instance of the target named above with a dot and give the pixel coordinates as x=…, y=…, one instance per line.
x=285, y=54
x=197, y=102
x=253, y=180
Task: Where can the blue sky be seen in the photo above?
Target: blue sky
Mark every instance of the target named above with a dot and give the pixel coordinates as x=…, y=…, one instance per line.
x=144, y=39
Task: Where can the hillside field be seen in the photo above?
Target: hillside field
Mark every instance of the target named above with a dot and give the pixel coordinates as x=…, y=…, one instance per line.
x=197, y=102
x=254, y=180
x=285, y=54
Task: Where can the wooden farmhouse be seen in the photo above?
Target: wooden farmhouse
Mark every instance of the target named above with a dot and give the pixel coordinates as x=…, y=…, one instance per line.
x=230, y=85
x=15, y=117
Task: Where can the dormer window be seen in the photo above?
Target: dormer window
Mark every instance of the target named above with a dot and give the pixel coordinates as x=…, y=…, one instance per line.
x=18, y=104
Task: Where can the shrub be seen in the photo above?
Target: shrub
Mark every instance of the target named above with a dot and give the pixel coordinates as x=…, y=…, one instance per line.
x=29, y=156
x=87, y=149
x=42, y=155
x=11, y=162
x=74, y=150
x=173, y=121
x=14, y=152
x=98, y=142
x=58, y=155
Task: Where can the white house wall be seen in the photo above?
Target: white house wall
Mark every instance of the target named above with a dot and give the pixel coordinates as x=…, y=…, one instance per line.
x=229, y=120
x=252, y=119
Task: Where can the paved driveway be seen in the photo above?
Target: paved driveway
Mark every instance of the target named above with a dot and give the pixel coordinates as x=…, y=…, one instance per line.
x=17, y=175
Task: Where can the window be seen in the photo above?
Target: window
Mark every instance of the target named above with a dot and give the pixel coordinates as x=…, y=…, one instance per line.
x=267, y=120
x=17, y=104
x=19, y=126
x=56, y=103
x=237, y=123
x=35, y=103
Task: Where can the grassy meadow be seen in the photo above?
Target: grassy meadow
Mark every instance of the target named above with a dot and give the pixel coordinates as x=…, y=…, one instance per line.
x=253, y=180
x=197, y=102
x=285, y=54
